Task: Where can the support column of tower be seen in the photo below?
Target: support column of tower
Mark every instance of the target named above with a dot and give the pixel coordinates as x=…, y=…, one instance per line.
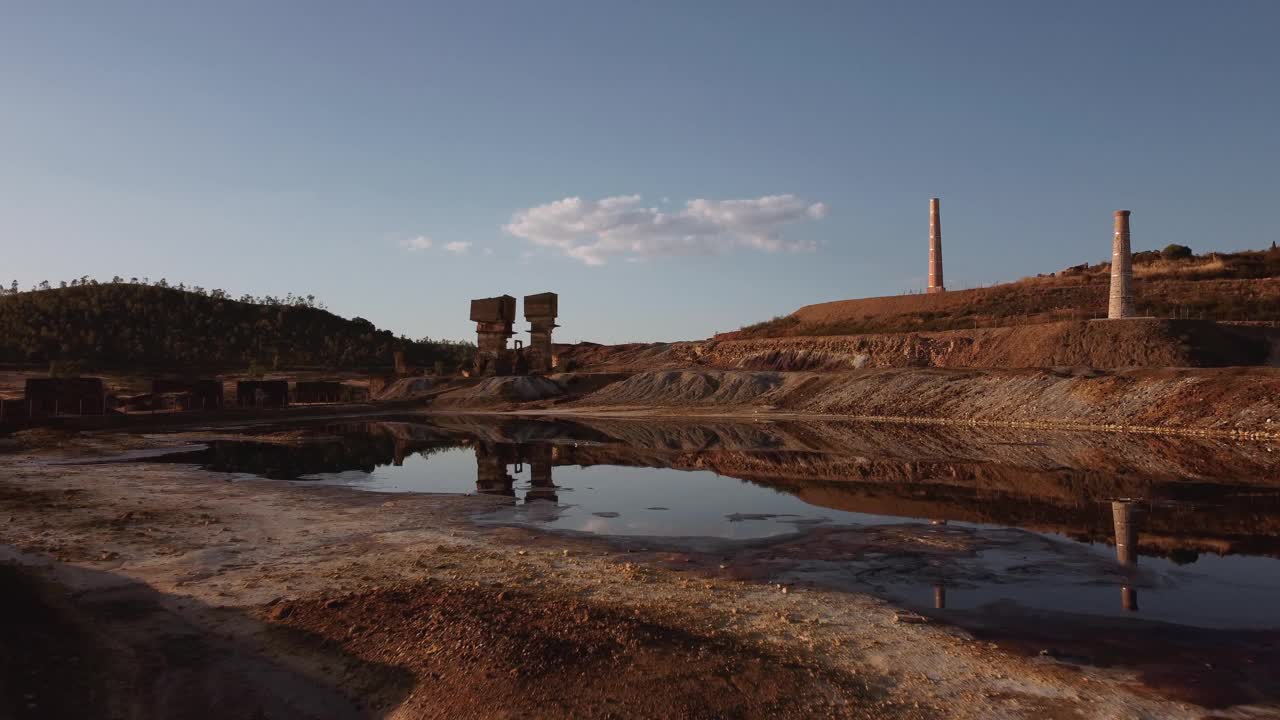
x=935, y=247
x=1121, y=299
x=541, y=310
x=494, y=318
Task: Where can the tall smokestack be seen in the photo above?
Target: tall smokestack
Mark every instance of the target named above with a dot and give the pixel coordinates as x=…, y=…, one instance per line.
x=935, y=248
x=1121, y=304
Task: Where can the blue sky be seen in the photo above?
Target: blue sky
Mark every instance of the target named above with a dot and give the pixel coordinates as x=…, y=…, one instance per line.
x=306, y=147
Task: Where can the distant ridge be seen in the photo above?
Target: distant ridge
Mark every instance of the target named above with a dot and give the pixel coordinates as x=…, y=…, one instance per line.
x=116, y=325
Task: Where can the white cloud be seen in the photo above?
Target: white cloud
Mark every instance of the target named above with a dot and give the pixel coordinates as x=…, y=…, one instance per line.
x=458, y=247
x=418, y=244
x=592, y=231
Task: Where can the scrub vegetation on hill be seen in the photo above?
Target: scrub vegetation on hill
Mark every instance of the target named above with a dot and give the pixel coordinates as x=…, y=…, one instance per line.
x=1172, y=283
x=131, y=324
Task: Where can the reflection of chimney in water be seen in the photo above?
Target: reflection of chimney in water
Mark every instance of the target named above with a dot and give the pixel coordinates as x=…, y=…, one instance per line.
x=541, y=487
x=491, y=472
x=1126, y=516
x=398, y=459
x=940, y=596
x=1129, y=598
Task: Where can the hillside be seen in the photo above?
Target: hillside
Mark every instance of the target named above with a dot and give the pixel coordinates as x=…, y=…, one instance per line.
x=117, y=325
x=1113, y=345
x=1241, y=286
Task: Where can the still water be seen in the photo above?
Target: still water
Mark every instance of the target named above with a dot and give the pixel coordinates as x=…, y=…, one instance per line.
x=1141, y=529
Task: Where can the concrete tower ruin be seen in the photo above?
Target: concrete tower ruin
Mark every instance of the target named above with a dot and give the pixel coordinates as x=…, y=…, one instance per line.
x=494, y=318
x=1121, y=301
x=541, y=310
x=935, y=248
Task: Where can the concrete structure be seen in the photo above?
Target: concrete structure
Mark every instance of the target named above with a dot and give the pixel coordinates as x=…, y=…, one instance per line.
x=494, y=318
x=262, y=393
x=541, y=310
x=935, y=248
x=402, y=367
x=1121, y=300
x=1126, y=516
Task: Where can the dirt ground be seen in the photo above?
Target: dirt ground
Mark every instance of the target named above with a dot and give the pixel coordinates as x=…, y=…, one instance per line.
x=145, y=590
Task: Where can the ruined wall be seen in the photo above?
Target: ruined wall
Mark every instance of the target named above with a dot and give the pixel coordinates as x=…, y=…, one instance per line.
x=44, y=395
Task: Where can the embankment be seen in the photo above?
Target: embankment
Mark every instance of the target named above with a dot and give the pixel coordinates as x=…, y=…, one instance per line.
x=1032, y=300
x=1138, y=343
x=1228, y=401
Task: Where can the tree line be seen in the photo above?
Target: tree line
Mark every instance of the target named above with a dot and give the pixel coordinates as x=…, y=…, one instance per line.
x=123, y=323
x=217, y=294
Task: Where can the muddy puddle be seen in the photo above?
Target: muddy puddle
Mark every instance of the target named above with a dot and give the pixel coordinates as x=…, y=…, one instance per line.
x=970, y=528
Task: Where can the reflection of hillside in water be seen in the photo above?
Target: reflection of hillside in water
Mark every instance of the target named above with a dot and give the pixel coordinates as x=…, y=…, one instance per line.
x=361, y=447
x=1195, y=495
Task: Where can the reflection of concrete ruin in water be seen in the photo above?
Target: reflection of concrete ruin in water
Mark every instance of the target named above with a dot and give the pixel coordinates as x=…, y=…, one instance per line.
x=1127, y=516
x=492, y=477
x=883, y=470
x=541, y=487
x=848, y=467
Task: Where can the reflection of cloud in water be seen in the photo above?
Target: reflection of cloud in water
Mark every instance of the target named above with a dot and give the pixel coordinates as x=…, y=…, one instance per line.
x=596, y=525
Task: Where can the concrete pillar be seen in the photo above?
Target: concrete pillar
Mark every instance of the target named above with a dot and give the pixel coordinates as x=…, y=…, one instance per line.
x=1121, y=300
x=494, y=318
x=935, y=248
x=541, y=310
x=402, y=367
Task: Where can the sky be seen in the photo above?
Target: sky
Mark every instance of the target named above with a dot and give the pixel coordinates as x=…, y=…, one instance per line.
x=671, y=169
